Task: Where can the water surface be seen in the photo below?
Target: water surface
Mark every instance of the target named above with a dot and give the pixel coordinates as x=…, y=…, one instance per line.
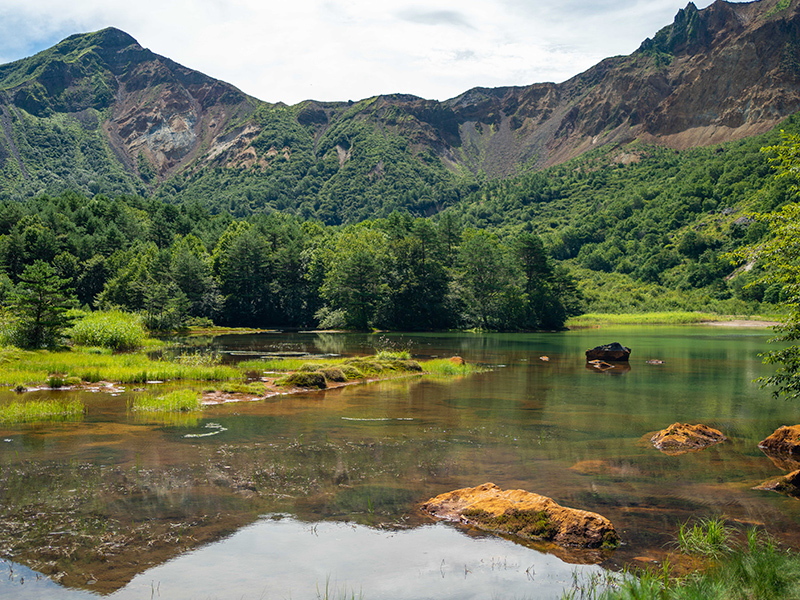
x=348, y=468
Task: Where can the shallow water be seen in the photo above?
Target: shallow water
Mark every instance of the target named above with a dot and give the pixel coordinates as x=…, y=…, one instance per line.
x=349, y=467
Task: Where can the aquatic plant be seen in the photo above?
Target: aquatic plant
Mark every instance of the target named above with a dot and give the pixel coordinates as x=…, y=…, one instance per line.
x=351, y=372
x=755, y=569
x=177, y=401
x=256, y=388
x=41, y=410
x=36, y=368
x=708, y=537
x=449, y=368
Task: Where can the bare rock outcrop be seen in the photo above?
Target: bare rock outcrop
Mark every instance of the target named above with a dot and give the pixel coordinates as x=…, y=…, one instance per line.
x=525, y=514
x=680, y=438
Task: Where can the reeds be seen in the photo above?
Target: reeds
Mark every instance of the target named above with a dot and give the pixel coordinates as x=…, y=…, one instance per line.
x=37, y=367
x=109, y=329
x=649, y=318
x=448, y=368
x=41, y=411
x=755, y=569
x=708, y=537
x=179, y=401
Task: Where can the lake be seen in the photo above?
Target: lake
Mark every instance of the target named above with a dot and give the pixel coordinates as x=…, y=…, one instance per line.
x=316, y=494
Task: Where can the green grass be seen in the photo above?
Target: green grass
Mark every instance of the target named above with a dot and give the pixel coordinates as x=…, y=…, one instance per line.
x=652, y=318
x=177, y=401
x=754, y=570
x=445, y=367
x=112, y=329
x=256, y=388
x=279, y=365
x=35, y=368
x=708, y=537
x=35, y=411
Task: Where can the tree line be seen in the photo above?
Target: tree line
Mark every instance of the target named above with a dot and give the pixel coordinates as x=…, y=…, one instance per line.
x=182, y=265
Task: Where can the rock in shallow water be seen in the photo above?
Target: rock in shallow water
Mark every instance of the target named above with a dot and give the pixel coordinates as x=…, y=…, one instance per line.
x=784, y=440
x=679, y=438
x=614, y=352
x=524, y=514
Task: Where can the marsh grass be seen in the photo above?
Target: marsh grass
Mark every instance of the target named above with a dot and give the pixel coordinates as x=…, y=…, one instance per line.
x=446, y=368
x=256, y=388
x=33, y=368
x=389, y=355
x=115, y=330
x=179, y=401
x=280, y=365
x=757, y=569
x=651, y=318
x=41, y=411
x=708, y=537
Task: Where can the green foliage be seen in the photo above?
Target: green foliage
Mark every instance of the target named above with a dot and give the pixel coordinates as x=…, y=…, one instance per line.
x=39, y=307
x=113, y=329
x=757, y=569
x=778, y=255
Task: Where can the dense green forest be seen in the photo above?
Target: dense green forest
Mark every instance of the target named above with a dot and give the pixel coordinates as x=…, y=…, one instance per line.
x=631, y=228
x=645, y=227
x=183, y=264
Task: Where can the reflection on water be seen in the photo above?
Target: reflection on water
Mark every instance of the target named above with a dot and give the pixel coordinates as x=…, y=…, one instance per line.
x=286, y=558
x=99, y=505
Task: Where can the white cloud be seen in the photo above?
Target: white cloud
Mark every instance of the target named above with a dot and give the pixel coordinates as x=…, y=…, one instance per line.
x=352, y=49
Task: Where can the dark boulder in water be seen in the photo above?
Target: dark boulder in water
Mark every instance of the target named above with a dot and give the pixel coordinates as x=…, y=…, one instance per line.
x=614, y=352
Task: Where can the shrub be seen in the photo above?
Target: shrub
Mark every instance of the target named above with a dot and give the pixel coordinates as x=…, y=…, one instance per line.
x=112, y=329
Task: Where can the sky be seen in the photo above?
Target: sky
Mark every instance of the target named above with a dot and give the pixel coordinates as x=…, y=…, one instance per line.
x=294, y=50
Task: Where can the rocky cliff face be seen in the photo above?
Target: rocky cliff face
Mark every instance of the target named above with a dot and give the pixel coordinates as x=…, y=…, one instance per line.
x=725, y=72
x=722, y=73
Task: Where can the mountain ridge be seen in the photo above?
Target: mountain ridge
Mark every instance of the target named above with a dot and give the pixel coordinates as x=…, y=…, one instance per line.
x=145, y=124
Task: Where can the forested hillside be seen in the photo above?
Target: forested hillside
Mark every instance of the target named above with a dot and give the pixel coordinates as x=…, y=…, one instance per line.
x=178, y=265
x=646, y=227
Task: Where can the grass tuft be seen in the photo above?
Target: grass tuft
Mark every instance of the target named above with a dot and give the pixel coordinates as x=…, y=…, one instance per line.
x=115, y=330
x=708, y=537
x=177, y=401
x=41, y=410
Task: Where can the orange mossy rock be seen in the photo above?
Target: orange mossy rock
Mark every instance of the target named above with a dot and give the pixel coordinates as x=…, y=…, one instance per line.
x=524, y=514
x=787, y=484
x=784, y=441
x=679, y=438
